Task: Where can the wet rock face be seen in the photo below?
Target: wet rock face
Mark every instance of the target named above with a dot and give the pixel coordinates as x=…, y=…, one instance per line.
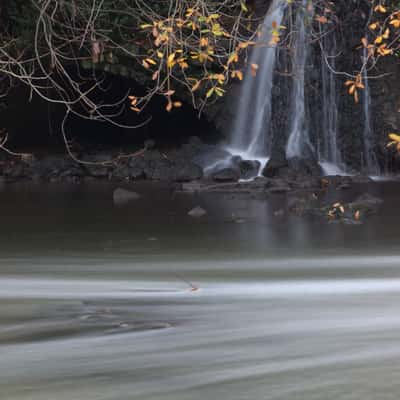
x=295, y=168
x=249, y=169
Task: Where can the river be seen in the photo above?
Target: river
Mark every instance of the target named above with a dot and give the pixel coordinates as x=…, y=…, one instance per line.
x=140, y=301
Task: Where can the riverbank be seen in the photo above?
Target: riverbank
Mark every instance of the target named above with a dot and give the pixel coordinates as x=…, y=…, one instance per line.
x=194, y=161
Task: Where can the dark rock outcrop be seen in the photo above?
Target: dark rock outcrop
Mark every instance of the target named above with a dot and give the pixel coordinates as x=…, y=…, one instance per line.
x=227, y=175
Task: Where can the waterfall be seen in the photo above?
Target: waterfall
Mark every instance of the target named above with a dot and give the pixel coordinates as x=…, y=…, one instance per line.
x=305, y=111
x=369, y=157
x=299, y=143
x=329, y=154
x=251, y=133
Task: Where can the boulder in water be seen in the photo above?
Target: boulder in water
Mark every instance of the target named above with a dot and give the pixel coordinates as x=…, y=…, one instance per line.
x=275, y=166
x=122, y=196
x=197, y=212
x=249, y=168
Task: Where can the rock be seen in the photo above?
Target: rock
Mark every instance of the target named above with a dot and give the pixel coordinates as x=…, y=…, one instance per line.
x=306, y=182
x=280, y=189
x=344, y=186
x=187, y=172
x=235, y=161
x=305, y=167
x=361, y=179
x=137, y=166
x=98, y=158
x=122, y=172
x=191, y=187
x=197, y=212
x=279, y=213
x=98, y=171
x=155, y=166
x=121, y=196
x=15, y=171
x=274, y=168
x=226, y=175
x=249, y=169
x=76, y=171
x=160, y=170
x=278, y=185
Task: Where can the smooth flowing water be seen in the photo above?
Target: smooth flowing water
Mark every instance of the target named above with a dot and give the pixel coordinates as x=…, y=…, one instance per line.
x=95, y=304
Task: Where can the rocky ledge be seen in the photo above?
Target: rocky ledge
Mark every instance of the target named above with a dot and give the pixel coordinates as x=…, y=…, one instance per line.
x=208, y=167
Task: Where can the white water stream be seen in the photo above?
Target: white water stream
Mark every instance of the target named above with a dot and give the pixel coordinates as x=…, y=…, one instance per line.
x=251, y=136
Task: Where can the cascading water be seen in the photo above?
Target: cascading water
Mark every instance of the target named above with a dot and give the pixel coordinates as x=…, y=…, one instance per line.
x=311, y=126
x=299, y=143
x=329, y=155
x=251, y=134
x=370, y=160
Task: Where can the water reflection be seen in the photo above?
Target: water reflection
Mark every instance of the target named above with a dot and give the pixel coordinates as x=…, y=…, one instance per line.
x=93, y=304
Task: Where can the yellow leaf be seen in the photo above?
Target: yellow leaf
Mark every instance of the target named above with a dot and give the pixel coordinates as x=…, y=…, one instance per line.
x=155, y=75
x=233, y=58
x=170, y=61
x=210, y=93
x=364, y=42
x=196, y=86
x=356, y=98
x=386, y=33
x=243, y=6
x=380, y=8
x=204, y=42
x=321, y=19
x=395, y=23
x=254, y=69
x=237, y=74
x=395, y=137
